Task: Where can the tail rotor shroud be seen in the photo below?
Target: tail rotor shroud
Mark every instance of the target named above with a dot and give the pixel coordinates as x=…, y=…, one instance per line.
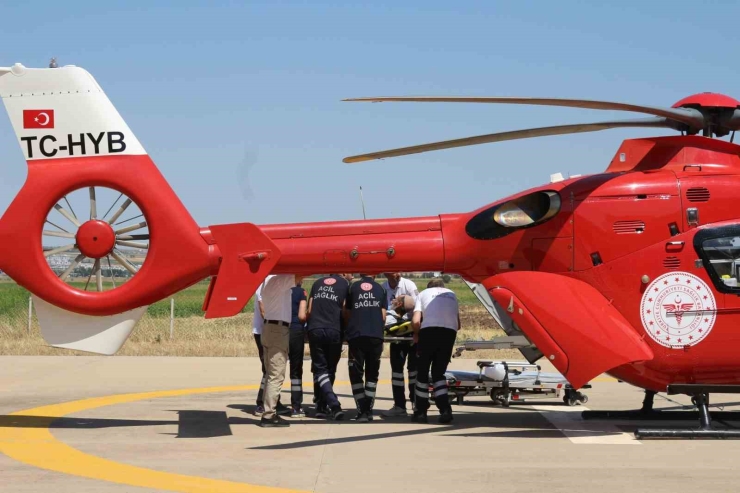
x=95, y=199
x=110, y=244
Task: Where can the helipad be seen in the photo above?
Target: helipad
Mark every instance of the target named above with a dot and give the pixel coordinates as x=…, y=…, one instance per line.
x=179, y=424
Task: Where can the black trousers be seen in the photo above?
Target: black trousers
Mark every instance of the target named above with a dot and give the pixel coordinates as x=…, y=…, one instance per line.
x=403, y=353
x=326, y=350
x=435, y=351
x=295, y=355
x=364, y=360
x=261, y=393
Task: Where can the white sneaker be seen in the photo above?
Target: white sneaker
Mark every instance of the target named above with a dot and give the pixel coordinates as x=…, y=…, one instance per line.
x=395, y=412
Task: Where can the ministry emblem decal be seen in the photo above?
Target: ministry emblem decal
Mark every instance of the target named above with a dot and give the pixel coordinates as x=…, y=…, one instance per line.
x=678, y=310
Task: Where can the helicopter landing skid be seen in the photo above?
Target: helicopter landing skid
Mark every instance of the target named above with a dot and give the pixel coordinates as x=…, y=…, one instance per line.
x=700, y=398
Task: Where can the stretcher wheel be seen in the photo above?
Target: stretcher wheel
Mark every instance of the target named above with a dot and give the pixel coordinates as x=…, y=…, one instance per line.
x=460, y=400
x=570, y=400
x=503, y=398
x=582, y=398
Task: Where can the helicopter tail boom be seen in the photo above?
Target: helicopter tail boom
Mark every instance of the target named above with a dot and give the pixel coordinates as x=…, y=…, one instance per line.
x=375, y=246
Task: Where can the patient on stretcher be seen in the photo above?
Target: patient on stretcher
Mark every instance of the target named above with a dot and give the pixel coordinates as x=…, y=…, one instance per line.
x=397, y=326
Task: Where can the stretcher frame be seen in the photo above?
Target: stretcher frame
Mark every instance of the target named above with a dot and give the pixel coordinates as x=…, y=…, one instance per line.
x=522, y=381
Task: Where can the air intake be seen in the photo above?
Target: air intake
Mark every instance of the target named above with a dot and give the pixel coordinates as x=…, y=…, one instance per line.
x=629, y=227
x=697, y=194
x=671, y=262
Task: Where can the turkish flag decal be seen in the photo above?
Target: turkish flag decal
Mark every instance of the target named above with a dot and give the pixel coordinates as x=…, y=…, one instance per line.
x=38, y=118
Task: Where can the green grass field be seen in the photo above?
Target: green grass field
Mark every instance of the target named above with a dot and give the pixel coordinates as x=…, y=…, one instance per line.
x=192, y=335
x=188, y=303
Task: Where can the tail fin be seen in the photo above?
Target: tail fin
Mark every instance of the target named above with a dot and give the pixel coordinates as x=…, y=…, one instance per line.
x=62, y=112
x=74, y=141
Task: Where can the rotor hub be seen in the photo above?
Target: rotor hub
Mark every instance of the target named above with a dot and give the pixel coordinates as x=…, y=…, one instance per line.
x=708, y=100
x=95, y=239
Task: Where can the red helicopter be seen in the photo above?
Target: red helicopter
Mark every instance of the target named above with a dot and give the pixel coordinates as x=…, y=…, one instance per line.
x=633, y=271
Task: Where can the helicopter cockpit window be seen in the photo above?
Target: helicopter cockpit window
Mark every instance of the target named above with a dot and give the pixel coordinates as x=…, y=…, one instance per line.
x=724, y=258
x=720, y=252
x=523, y=212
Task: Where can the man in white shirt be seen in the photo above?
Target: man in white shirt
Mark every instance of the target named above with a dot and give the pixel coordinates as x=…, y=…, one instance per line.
x=397, y=289
x=257, y=323
x=276, y=305
x=436, y=321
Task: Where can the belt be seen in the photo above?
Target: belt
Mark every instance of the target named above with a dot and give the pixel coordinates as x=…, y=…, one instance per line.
x=277, y=322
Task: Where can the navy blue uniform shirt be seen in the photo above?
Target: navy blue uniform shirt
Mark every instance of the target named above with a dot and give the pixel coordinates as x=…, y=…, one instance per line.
x=365, y=302
x=327, y=299
x=297, y=294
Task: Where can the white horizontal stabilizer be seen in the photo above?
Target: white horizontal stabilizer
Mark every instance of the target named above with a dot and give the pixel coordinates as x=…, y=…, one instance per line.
x=69, y=330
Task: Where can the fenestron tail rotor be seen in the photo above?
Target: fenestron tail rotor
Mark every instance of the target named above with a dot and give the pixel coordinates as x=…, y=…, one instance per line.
x=711, y=114
x=99, y=253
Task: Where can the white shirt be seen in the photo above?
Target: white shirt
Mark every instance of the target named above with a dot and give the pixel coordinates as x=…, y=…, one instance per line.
x=439, y=308
x=405, y=287
x=276, y=297
x=257, y=320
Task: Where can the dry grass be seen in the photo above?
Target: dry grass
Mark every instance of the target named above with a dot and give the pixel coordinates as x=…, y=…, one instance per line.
x=195, y=336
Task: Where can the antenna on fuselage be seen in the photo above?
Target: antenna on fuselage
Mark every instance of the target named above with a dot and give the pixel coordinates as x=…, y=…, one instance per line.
x=362, y=201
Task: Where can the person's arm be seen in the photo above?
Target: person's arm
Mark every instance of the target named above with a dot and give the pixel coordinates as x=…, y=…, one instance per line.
x=346, y=308
x=310, y=301
x=302, y=311
x=416, y=325
x=261, y=308
x=416, y=320
x=384, y=304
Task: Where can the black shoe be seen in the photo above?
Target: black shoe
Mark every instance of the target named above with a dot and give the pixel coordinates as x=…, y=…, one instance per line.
x=320, y=413
x=419, y=417
x=361, y=418
x=274, y=422
x=282, y=409
x=336, y=414
x=445, y=417
x=370, y=416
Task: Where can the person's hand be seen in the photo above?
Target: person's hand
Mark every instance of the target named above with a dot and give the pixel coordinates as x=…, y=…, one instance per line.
x=416, y=337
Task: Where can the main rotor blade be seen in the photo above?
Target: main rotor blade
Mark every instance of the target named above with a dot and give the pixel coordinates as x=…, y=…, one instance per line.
x=688, y=116
x=731, y=121
x=513, y=135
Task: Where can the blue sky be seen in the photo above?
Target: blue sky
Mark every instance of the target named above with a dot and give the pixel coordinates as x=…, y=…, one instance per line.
x=239, y=105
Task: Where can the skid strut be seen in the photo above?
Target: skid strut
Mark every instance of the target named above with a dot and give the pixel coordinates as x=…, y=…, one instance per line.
x=700, y=398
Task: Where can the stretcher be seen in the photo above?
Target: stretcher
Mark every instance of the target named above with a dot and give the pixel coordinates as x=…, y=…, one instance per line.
x=511, y=381
x=503, y=381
